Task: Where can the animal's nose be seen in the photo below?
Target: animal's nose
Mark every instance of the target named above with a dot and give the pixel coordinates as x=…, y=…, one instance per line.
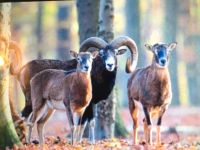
x=163, y=61
x=86, y=67
x=110, y=65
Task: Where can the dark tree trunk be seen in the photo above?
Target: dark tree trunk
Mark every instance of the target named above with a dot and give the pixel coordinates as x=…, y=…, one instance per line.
x=106, y=109
x=63, y=31
x=170, y=30
x=88, y=16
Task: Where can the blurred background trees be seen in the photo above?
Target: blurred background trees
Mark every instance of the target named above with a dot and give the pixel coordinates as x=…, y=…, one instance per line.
x=63, y=31
x=64, y=26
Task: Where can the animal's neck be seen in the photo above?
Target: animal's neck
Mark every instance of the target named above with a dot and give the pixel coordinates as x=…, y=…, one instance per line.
x=80, y=73
x=159, y=72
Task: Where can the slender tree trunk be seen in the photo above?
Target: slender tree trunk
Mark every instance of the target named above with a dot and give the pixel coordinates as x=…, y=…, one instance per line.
x=106, y=18
x=170, y=30
x=134, y=29
x=7, y=130
x=88, y=17
x=39, y=30
x=106, y=109
x=63, y=31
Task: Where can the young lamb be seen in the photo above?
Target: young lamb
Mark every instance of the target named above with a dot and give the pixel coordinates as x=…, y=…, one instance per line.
x=151, y=86
x=59, y=90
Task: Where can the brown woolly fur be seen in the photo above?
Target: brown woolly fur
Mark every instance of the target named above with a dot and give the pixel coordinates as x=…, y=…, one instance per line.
x=151, y=87
x=74, y=88
x=53, y=89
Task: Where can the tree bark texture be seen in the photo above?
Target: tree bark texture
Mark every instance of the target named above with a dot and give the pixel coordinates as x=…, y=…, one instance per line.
x=7, y=130
x=106, y=109
x=88, y=18
x=88, y=14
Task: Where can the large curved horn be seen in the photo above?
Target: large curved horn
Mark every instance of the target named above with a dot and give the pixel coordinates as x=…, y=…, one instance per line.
x=126, y=41
x=93, y=42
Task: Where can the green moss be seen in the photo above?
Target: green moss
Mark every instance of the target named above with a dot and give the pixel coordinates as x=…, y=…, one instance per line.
x=8, y=135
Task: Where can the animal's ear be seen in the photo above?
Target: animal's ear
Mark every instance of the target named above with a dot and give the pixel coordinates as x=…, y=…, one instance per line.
x=172, y=46
x=73, y=54
x=94, y=54
x=120, y=51
x=149, y=47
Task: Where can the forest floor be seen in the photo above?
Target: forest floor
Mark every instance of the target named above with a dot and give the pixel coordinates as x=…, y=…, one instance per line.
x=180, y=130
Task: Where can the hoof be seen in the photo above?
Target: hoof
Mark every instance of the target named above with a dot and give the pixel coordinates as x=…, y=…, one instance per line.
x=36, y=142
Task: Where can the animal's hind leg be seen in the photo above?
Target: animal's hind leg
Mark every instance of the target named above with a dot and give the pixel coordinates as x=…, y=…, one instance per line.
x=134, y=111
x=41, y=124
x=37, y=114
x=30, y=127
x=28, y=105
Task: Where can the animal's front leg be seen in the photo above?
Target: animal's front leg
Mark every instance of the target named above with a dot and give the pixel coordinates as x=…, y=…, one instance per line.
x=149, y=126
x=82, y=129
x=91, y=131
x=158, y=133
x=145, y=126
x=134, y=111
x=77, y=118
x=71, y=122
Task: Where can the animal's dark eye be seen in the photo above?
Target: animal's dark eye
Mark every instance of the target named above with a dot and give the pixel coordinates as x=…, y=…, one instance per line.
x=78, y=59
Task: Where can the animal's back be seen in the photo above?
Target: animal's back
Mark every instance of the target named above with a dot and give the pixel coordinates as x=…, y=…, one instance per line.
x=36, y=66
